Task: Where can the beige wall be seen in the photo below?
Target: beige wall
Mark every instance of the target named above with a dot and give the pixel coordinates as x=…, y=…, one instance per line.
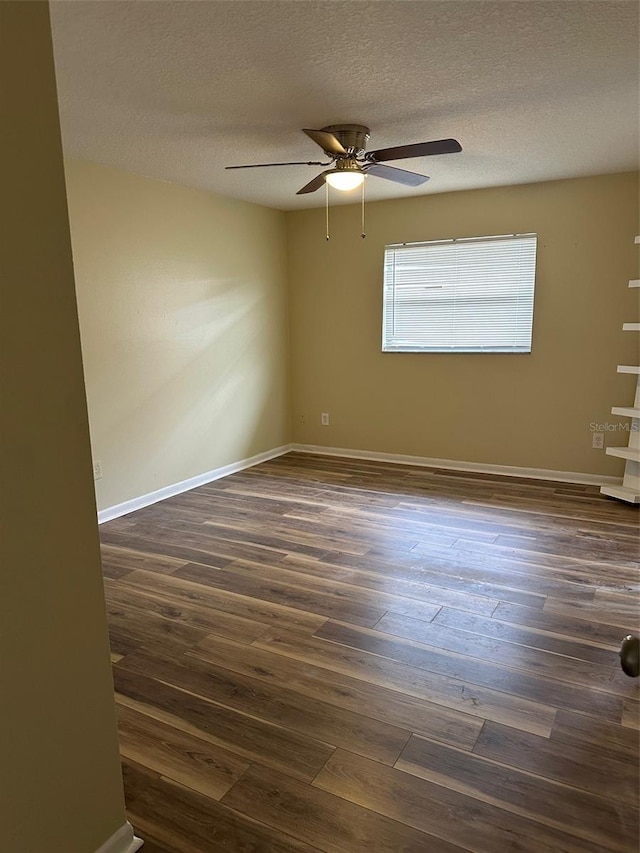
x=182, y=301
x=60, y=783
x=522, y=410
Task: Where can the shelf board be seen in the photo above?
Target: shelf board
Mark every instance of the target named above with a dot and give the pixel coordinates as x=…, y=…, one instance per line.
x=629, y=368
x=631, y=327
x=634, y=282
x=626, y=411
x=622, y=493
x=630, y=453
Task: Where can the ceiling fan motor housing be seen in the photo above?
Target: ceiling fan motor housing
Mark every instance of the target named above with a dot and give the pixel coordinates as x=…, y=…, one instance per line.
x=352, y=137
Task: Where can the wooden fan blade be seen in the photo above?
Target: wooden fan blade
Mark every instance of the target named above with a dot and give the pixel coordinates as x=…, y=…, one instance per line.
x=293, y=163
x=400, y=176
x=419, y=149
x=313, y=185
x=327, y=141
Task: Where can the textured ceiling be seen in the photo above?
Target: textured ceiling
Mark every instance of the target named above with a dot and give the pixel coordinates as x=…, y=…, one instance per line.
x=177, y=90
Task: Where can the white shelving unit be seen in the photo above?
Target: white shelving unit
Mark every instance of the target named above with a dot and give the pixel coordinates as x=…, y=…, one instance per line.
x=625, y=453
x=630, y=489
x=626, y=411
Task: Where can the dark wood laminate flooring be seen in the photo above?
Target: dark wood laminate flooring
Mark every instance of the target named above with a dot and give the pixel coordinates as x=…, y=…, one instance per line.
x=321, y=654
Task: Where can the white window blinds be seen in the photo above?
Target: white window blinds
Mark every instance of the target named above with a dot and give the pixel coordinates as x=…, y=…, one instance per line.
x=470, y=295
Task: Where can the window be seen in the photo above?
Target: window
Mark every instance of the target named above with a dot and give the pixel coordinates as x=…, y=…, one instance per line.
x=469, y=295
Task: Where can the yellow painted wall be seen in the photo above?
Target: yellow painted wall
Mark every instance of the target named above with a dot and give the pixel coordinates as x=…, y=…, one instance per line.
x=183, y=316
x=520, y=410
x=60, y=782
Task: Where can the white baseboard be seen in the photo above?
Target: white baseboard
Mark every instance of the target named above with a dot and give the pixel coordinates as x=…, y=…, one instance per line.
x=372, y=455
x=122, y=841
x=455, y=465
x=185, y=485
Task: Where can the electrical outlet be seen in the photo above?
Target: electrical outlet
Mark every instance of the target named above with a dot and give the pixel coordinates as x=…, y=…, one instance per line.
x=97, y=470
x=598, y=440
x=302, y=418
x=324, y=419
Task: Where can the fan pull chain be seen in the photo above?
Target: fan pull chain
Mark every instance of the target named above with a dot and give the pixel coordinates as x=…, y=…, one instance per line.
x=326, y=187
x=363, y=234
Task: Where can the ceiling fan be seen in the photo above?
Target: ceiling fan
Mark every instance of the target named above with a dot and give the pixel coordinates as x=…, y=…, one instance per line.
x=345, y=145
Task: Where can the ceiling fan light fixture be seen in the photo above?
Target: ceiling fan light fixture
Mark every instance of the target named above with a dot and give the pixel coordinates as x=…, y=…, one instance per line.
x=344, y=179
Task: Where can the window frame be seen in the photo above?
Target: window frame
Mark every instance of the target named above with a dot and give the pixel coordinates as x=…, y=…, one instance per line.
x=523, y=290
